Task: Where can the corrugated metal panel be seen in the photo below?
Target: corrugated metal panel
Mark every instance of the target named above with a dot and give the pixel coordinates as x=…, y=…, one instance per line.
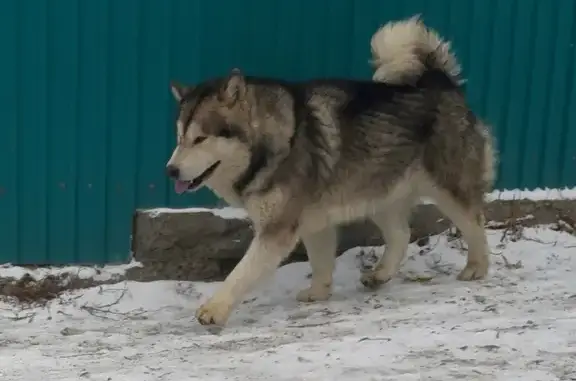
x=87, y=114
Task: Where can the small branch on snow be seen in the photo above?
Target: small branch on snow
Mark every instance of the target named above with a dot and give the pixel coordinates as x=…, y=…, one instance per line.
x=104, y=311
x=20, y=313
x=511, y=266
x=312, y=325
x=436, y=265
x=29, y=316
x=513, y=228
x=387, y=339
x=428, y=247
x=538, y=240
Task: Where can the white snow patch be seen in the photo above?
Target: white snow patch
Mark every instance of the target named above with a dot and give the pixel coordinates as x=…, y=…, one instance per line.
x=506, y=194
x=537, y=194
x=97, y=273
x=519, y=194
x=229, y=213
x=518, y=324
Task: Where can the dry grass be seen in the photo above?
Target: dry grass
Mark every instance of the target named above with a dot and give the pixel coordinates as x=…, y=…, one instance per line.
x=28, y=290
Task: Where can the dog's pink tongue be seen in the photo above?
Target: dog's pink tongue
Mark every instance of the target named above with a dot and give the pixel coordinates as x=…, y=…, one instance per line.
x=181, y=186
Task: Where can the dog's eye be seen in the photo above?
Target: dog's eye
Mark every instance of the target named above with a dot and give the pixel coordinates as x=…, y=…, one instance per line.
x=199, y=139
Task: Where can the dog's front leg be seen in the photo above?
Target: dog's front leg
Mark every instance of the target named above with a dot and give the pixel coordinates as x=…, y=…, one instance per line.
x=263, y=257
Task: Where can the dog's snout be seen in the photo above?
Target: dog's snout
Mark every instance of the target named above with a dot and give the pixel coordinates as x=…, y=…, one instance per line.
x=173, y=171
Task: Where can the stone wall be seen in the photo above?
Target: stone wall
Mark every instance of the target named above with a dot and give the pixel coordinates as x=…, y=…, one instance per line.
x=205, y=244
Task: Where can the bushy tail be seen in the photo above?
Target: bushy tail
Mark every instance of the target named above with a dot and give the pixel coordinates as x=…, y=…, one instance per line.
x=403, y=50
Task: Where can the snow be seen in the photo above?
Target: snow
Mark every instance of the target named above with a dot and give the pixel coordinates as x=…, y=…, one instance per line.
x=518, y=324
x=229, y=213
x=537, y=194
x=103, y=273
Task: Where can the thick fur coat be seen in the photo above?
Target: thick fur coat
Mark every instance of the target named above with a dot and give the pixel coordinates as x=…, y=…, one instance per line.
x=303, y=157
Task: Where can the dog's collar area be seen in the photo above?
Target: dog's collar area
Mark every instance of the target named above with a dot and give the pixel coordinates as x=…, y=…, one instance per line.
x=258, y=160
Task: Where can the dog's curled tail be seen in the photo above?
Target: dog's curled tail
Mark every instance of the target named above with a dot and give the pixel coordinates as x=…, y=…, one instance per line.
x=403, y=50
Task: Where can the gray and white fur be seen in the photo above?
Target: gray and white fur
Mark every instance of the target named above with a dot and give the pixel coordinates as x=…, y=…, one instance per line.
x=303, y=157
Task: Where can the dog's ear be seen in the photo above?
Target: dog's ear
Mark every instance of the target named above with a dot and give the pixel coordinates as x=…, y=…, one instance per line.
x=234, y=88
x=179, y=91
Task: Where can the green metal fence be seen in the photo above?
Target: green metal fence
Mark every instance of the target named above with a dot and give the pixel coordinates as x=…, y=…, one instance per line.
x=87, y=116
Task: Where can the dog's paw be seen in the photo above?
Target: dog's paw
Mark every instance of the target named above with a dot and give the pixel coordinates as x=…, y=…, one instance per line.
x=474, y=271
x=314, y=294
x=374, y=279
x=214, y=315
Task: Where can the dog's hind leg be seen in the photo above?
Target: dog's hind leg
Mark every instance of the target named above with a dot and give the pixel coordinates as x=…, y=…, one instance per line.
x=395, y=227
x=470, y=221
x=321, y=248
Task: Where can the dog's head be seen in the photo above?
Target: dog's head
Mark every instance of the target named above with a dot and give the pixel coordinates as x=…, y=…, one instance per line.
x=213, y=134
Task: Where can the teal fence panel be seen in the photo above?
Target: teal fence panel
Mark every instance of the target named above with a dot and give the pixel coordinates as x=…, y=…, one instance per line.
x=87, y=116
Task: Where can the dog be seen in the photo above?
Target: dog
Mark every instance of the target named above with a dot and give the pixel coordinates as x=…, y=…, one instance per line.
x=303, y=157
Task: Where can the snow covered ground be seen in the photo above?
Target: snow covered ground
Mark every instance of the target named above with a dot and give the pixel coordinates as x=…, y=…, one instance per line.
x=519, y=324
